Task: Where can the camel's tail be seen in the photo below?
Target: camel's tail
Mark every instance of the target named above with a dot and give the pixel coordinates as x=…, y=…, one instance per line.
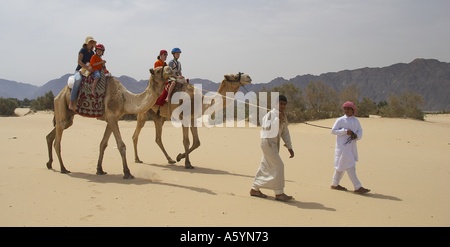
x=54, y=121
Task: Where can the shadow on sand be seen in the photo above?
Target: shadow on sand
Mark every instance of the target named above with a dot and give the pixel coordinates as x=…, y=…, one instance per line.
x=118, y=179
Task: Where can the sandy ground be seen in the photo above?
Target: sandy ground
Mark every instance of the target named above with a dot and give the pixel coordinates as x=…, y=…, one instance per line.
x=404, y=162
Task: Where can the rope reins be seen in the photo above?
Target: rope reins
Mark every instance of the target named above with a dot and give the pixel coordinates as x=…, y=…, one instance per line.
x=232, y=98
x=324, y=127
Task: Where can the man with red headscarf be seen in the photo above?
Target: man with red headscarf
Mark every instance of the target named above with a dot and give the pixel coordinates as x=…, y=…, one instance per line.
x=347, y=130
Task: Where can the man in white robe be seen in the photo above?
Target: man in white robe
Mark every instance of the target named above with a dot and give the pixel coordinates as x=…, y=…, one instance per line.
x=347, y=130
x=270, y=174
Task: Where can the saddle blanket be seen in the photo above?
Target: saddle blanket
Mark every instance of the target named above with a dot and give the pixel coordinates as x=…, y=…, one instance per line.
x=90, y=104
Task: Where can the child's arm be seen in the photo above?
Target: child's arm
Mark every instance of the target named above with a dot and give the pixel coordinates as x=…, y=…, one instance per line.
x=96, y=60
x=99, y=62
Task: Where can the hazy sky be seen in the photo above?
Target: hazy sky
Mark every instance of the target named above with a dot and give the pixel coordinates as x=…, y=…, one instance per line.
x=40, y=40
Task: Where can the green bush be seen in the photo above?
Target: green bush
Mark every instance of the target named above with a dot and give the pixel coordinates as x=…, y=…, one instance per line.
x=43, y=103
x=406, y=105
x=8, y=106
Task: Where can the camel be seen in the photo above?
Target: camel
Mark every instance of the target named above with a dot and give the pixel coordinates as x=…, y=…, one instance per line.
x=231, y=83
x=118, y=102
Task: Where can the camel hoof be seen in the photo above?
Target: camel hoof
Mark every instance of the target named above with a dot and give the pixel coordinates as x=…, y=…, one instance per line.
x=138, y=161
x=101, y=173
x=128, y=176
x=171, y=161
x=188, y=167
x=179, y=157
x=49, y=165
x=65, y=171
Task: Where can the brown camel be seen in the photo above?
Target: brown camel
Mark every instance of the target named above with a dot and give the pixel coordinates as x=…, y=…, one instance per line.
x=118, y=101
x=160, y=114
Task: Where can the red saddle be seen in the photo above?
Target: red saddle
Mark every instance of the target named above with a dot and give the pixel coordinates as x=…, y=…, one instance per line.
x=162, y=98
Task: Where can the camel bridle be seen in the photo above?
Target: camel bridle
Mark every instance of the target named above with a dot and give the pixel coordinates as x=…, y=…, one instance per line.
x=239, y=80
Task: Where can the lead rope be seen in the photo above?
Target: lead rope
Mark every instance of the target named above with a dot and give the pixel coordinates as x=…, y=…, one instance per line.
x=324, y=127
x=247, y=103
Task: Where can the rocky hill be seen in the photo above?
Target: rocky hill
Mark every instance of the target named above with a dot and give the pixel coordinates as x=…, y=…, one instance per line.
x=18, y=90
x=427, y=77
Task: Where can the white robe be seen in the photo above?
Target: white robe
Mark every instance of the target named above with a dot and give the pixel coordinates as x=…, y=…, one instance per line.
x=346, y=153
x=270, y=174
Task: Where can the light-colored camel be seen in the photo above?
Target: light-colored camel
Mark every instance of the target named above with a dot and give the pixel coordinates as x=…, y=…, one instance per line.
x=118, y=101
x=159, y=114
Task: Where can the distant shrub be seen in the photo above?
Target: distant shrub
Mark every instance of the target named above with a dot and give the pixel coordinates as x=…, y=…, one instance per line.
x=8, y=106
x=367, y=107
x=322, y=101
x=406, y=105
x=43, y=103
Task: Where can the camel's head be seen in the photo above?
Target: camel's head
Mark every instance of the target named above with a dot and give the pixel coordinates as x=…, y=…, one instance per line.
x=233, y=82
x=159, y=76
x=162, y=74
x=241, y=78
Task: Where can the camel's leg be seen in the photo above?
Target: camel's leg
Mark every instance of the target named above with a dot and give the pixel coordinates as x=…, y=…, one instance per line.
x=62, y=119
x=195, y=144
x=50, y=138
x=103, y=145
x=159, y=122
x=141, y=119
x=195, y=139
x=186, y=143
x=58, y=136
x=114, y=126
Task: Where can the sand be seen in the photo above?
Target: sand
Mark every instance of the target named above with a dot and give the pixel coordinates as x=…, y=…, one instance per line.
x=404, y=162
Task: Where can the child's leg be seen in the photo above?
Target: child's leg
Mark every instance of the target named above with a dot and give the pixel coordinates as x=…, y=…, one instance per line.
x=94, y=84
x=96, y=78
x=169, y=93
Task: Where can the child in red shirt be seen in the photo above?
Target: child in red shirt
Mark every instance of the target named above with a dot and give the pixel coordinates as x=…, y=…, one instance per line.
x=161, y=59
x=97, y=64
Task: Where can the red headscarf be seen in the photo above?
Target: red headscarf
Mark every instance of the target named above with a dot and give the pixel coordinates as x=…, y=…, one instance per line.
x=351, y=105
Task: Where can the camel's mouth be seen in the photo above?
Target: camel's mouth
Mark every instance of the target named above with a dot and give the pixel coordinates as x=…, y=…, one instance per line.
x=246, y=80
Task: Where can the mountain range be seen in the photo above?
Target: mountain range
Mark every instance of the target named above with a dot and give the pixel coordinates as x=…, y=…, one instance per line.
x=429, y=78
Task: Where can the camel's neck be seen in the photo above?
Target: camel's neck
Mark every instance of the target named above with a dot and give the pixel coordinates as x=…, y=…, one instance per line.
x=142, y=102
x=224, y=88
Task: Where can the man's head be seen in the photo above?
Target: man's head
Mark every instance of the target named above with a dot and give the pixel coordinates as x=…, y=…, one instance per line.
x=349, y=108
x=282, y=102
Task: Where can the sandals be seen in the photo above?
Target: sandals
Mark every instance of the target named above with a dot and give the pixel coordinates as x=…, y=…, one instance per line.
x=257, y=193
x=338, y=187
x=362, y=190
x=283, y=197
